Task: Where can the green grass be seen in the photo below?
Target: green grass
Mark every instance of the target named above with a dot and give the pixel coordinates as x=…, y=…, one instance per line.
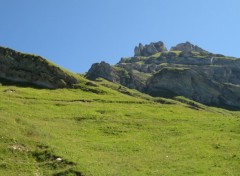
x=101, y=128
x=176, y=52
x=157, y=55
x=176, y=68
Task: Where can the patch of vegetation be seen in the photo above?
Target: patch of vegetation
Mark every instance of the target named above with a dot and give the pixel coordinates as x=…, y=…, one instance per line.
x=157, y=55
x=164, y=100
x=69, y=172
x=191, y=103
x=50, y=163
x=171, y=68
x=177, y=68
x=89, y=87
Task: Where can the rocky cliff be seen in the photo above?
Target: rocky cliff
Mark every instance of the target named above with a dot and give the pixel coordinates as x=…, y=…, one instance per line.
x=30, y=69
x=186, y=70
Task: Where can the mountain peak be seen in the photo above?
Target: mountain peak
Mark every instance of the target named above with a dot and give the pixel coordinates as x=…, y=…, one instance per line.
x=150, y=49
x=156, y=47
x=186, y=70
x=187, y=47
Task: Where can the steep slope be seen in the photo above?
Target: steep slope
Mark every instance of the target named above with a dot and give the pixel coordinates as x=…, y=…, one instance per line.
x=30, y=69
x=185, y=70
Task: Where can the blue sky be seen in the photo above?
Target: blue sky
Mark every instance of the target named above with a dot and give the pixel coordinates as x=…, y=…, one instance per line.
x=76, y=33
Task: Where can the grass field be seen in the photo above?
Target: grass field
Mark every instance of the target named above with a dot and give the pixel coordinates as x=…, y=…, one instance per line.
x=109, y=130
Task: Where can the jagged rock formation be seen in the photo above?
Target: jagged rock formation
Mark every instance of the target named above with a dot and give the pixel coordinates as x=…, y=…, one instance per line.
x=150, y=49
x=35, y=70
x=115, y=74
x=187, y=47
x=186, y=70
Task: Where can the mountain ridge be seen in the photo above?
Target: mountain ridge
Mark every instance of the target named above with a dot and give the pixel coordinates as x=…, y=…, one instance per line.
x=186, y=70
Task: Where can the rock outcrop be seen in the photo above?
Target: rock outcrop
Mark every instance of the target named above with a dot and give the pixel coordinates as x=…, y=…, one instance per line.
x=148, y=50
x=104, y=70
x=116, y=75
x=35, y=70
x=186, y=70
x=200, y=84
x=187, y=47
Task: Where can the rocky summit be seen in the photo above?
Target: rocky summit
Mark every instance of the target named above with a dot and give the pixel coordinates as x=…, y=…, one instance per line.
x=24, y=68
x=187, y=47
x=186, y=70
x=148, y=50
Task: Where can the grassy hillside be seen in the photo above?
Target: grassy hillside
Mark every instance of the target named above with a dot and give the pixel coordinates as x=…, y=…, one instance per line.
x=106, y=129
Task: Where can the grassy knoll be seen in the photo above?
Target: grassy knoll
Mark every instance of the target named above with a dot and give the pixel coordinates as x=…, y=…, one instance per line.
x=110, y=130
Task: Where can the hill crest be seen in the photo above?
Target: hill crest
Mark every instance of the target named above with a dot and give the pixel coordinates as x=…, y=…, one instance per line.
x=31, y=69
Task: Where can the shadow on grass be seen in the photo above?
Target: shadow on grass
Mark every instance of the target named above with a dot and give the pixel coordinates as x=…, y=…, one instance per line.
x=7, y=82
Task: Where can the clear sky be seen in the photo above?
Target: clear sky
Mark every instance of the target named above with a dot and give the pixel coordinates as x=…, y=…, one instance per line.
x=76, y=33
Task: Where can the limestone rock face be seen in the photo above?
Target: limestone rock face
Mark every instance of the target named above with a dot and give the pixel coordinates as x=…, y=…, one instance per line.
x=186, y=70
x=187, y=47
x=35, y=70
x=150, y=49
x=102, y=69
x=115, y=74
x=202, y=85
